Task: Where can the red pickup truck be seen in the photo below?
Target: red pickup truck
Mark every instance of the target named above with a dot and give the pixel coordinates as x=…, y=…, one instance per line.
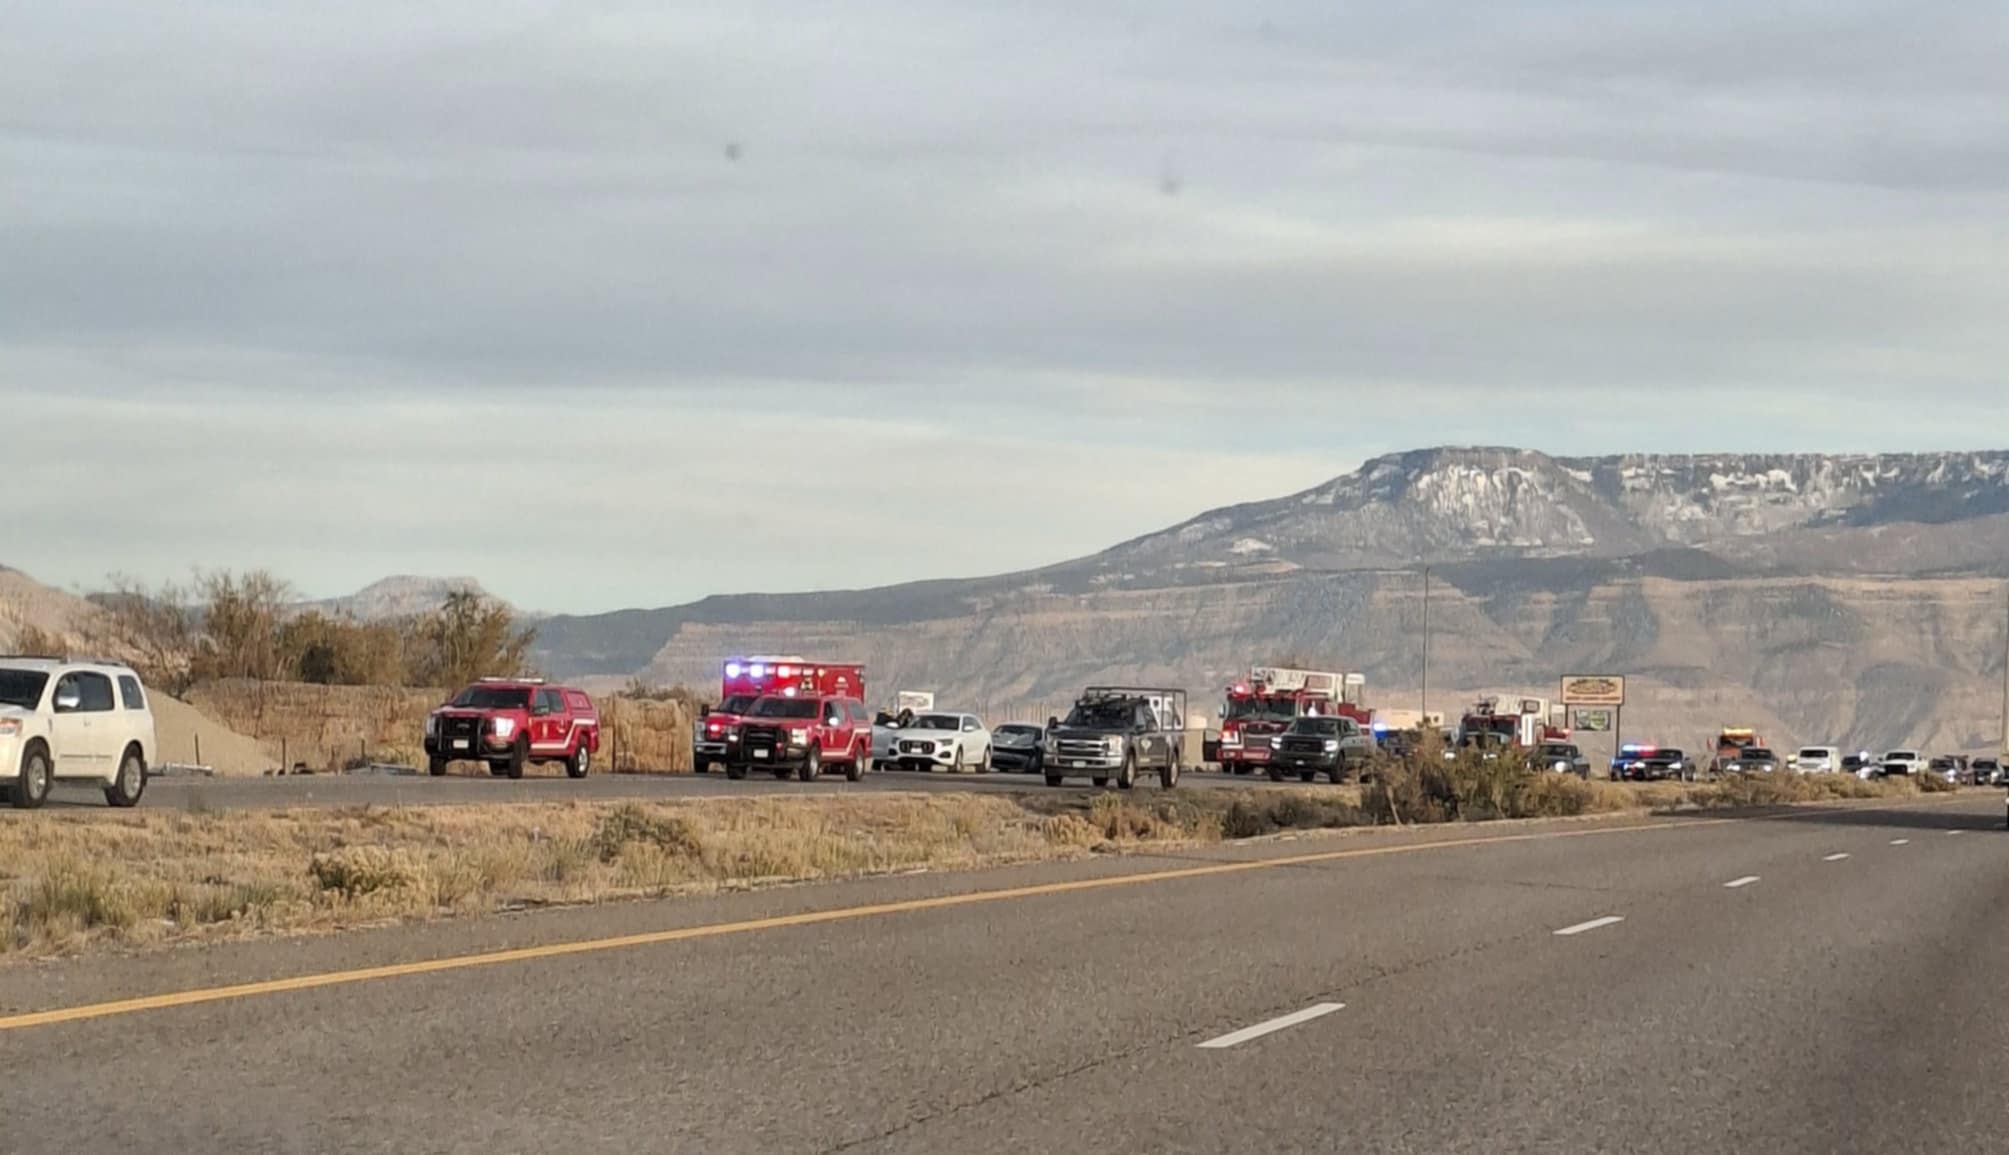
x=509, y=723
x=809, y=736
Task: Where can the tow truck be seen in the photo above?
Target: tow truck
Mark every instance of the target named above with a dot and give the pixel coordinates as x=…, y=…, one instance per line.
x=744, y=681
x=1730, y=745
x=1260, y=707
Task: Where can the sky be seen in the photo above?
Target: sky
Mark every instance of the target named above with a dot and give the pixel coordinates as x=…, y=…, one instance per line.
x=624, y=304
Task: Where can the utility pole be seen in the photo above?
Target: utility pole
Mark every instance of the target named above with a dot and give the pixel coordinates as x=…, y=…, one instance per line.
x=2005, y=672
x=1424, y=721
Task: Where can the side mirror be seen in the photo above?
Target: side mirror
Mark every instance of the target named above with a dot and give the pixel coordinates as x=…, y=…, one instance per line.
x=1221, y=711
x=69, y=701
x=704, y=711
x=1052, y=722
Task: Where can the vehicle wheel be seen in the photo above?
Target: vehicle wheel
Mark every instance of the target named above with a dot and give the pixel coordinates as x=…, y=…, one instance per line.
x=1101, y=783
x=856, y=770
x=31, y=789
x=1126, y=778
x=735, y=771
x=519, y=757
x=1339, y=772
x=436, y=767
x=498, y=769
x=1054, y=780
x=812, y=765
x=1276, y=774
x=984, y=766
x=579, y=763
x=1169, y=776
x=956, y=764
x=1307, y=775
x=126, y=789
x=700, y=766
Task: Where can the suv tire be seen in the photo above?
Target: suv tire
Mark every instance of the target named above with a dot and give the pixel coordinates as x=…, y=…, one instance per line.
x=1169, y=776
x=1126, y=778
x=436, y=767
x=519, y=757
x=1276, y=774
x=125, y=790
x=856, y=770
x=580, y=762
x=1340, y=771
x=735, y=770
x=812, y=765
x=31, y=789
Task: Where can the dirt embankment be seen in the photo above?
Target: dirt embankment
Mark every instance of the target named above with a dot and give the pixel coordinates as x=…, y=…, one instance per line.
x=326, y=727
x=183, y=733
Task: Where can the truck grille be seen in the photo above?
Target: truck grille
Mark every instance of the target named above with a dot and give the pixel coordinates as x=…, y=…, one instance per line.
x=766, y=738
x=1080, y=747
x=911, y=746
x=452, y=728
x=1304, y=745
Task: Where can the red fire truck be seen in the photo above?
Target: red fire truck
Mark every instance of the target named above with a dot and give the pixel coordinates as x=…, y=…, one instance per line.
x=1259, y=707
x=746, y=680
x=1513, y=723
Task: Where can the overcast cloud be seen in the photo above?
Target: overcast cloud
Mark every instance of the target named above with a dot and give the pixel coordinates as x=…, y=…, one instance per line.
x=609, y=304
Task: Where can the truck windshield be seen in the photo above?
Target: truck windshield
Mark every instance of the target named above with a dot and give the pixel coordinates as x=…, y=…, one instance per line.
x=22, y=688
x=1327, y=727
x=493, y=698
x=784, y=708
x=736, y=704
x=1112, y=713
x=1262, y=709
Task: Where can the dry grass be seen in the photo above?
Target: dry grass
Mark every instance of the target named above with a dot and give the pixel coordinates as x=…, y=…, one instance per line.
x=75, y=881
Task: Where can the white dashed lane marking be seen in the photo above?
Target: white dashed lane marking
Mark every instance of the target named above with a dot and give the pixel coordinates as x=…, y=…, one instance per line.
x=1739, y=883
x=1247, y=1034
x=1593, y=924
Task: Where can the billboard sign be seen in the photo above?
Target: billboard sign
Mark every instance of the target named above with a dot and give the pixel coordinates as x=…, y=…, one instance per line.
x=1593, y=690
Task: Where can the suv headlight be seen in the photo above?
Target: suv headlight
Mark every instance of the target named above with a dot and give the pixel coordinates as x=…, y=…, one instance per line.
x=1331, y=745
x=504, y=727
x=1232, y=738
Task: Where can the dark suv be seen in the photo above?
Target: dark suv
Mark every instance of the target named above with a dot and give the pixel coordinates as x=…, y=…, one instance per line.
x=808, y=736
x=1311, y=746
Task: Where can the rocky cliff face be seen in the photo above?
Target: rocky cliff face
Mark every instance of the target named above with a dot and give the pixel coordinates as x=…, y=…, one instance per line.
x=1822, y=598
x=392, y=598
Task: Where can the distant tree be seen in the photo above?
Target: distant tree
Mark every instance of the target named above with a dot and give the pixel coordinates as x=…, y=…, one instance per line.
x=156, y=627
x=470, y=637
x=315, y=647
x=241, y=620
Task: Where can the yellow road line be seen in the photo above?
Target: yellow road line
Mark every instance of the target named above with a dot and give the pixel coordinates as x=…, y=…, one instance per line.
x=778, y=922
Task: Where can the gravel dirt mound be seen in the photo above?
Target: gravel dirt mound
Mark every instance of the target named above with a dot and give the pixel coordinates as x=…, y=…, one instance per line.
x=177, y=725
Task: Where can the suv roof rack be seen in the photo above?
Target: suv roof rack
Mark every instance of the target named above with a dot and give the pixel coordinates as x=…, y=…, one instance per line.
x=69, y=659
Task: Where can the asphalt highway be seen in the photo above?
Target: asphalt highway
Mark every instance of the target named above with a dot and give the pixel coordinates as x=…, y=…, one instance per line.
x=1822, y=980
x=419, y=790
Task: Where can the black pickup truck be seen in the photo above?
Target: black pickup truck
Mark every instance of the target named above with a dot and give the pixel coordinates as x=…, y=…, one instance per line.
x=1118, y=732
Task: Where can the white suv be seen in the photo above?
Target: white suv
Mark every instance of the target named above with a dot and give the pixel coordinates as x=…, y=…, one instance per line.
x=87, y=721
x=948, y=741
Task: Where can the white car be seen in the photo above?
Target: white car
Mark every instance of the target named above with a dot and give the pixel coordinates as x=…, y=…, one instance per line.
x=1902, y=762
x=1818, y=760
x=74, y=721
x=942, y=740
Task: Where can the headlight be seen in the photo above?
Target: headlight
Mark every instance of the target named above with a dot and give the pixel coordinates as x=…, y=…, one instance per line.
x=10, y=727
x=504, y=727
x=798, y=737
x=432, y=726
x=1051, y=746
x=1113, y=744
x=1331, y=746
x=1232, y=738
x=1276, y=743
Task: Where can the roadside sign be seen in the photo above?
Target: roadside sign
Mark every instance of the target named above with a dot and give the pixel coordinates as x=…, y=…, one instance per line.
x=1593, y=721
x=1593, y=690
